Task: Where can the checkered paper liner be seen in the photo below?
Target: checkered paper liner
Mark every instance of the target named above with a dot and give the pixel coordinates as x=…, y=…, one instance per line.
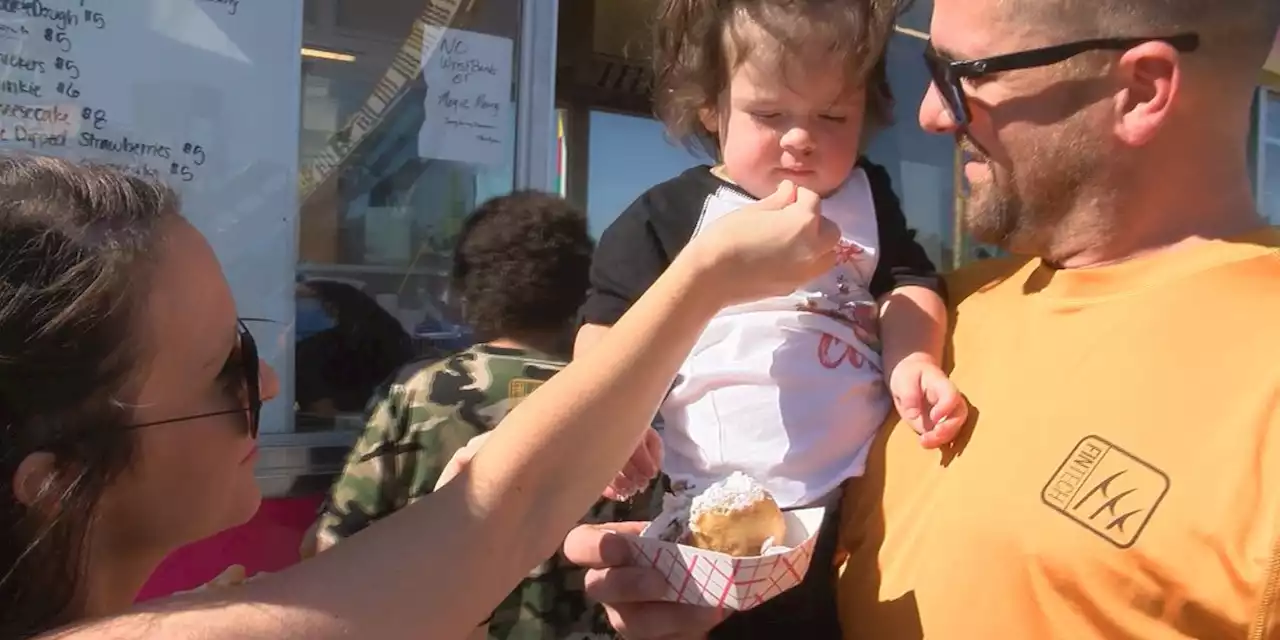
x=706, y=578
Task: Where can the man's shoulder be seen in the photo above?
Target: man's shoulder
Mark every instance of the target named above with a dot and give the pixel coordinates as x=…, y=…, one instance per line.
x=477, y=371
x=500, y=367
x=1252, y=261
x=983, y=276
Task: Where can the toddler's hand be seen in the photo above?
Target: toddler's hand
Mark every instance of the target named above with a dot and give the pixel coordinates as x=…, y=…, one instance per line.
x=460, y=459
x=927, y=399
x=233, y=576
x=640, y=470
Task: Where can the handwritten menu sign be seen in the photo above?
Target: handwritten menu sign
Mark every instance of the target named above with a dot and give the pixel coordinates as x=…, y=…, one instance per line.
x=202, y=94
x=469, y=111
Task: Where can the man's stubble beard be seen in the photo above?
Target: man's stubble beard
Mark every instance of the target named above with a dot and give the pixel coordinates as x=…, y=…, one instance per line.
x=1022, y=209
x=992, y=211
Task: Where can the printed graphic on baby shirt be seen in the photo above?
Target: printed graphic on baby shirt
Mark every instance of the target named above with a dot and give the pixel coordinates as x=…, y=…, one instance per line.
x=849, y=307
x=854, y=261
x=847, y=251
x=833, y=352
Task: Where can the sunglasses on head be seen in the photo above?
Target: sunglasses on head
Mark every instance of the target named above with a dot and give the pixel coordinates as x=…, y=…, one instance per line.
x=948, y=74
x=247, y=356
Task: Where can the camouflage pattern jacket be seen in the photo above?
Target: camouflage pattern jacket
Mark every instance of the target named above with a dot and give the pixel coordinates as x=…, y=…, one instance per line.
x=415, y=425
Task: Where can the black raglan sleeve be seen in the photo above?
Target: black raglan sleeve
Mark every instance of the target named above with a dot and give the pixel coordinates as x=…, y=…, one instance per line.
x=627, y=261
x=903, y=262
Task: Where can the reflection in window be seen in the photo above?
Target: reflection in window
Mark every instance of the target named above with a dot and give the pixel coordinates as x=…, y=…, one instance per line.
x=387, y=17
x=628, y=155
x=387, y=182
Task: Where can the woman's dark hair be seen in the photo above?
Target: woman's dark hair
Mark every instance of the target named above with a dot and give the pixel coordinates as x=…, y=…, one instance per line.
x=521, y=265
x=76, y=244
x=698, y=43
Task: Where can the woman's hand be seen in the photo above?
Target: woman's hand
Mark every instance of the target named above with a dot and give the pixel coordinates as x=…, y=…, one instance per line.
x=768, y=248
x=632, y=594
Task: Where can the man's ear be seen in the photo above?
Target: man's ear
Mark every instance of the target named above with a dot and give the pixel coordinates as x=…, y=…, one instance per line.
x=1150, y=80
x=34, y=477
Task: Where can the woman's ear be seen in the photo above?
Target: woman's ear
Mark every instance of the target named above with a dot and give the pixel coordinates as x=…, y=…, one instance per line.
x=35, y=474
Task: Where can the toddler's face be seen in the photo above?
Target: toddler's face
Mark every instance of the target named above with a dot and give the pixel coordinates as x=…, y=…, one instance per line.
x=803, y=125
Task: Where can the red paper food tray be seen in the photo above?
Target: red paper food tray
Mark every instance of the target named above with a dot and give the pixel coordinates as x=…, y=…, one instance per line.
x=710, y=579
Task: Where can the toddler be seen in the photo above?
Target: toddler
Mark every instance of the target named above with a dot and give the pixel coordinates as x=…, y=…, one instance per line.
x=791, y=389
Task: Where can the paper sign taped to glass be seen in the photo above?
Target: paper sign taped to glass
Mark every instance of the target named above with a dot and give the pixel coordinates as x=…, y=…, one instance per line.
x=468, y=110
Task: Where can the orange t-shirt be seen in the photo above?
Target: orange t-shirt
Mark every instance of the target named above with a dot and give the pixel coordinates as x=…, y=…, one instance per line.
x=1119, y=477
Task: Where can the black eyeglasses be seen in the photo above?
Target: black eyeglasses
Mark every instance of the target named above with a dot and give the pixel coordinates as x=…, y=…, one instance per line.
x=947, y=73
x=249, y=371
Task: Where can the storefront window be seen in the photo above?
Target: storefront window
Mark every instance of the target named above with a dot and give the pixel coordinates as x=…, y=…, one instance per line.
x=329, y=149
x=200, y=94
x=651, y=157
x=392, y=160
x=922, y=165
x=1268, y=155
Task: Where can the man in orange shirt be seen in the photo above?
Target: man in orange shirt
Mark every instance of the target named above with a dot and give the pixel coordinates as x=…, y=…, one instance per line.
x=1120, y=473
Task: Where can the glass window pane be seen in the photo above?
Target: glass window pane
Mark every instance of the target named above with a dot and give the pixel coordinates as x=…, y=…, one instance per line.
x=1272, y=124
x=922, y=165
x=378, y=16
x=392, y=160
x=617, y=177
x=1271, y=182
x=1268, y=156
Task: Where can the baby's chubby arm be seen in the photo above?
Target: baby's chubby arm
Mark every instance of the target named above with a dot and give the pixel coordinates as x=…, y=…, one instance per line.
x=913, y=327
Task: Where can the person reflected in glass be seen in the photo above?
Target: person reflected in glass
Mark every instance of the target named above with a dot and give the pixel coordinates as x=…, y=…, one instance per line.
x=352, y=345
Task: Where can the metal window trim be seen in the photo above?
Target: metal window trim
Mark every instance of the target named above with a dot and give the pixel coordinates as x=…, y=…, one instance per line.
x=535, y=166
x=910, y=33
x=1260, y=164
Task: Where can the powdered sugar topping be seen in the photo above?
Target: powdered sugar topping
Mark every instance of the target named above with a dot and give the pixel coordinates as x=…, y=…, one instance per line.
x=735, y=493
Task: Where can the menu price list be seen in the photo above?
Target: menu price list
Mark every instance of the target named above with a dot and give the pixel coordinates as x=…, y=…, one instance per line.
x=52, y=63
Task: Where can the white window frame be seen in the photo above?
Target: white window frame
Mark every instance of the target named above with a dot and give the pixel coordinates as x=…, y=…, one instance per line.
x=1267, y=141
x=536, y=140
x=1260, y=155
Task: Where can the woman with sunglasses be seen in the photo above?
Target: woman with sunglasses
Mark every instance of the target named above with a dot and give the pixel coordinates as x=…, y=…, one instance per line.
x=129, y=400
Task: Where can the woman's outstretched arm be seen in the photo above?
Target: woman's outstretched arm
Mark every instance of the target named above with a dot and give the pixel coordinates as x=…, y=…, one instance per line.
x=437, y=568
